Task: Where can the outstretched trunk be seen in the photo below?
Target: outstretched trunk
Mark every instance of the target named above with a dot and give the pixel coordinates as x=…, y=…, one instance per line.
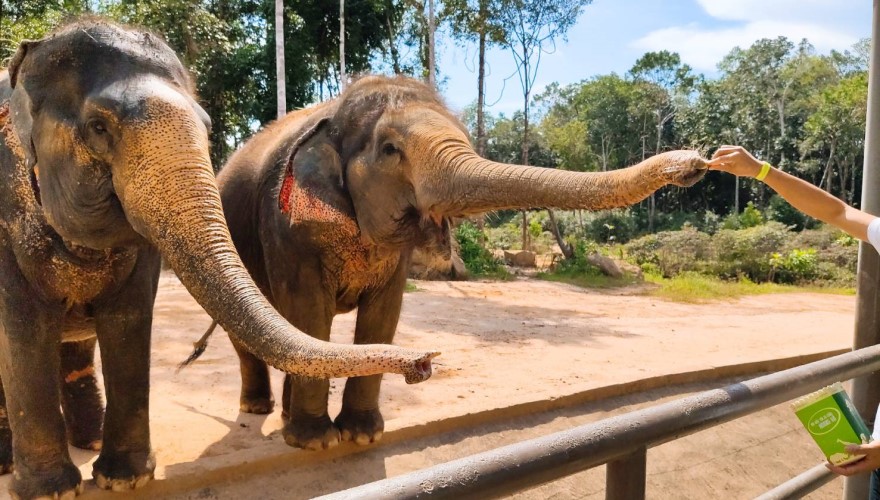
x=463, y=183
x=168, y=191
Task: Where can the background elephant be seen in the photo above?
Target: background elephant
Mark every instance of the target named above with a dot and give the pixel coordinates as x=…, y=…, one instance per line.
x=326, y=205
x=103, y=164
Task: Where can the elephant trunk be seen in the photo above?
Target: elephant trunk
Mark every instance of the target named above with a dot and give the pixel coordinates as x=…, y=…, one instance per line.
x=462, y=183
x=167, y=189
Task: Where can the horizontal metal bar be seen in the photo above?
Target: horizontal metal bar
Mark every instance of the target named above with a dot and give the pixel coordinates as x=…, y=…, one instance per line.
x=800, y=485
x=528, y=463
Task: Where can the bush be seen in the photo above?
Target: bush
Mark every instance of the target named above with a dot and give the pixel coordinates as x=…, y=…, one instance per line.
x=672, y=252
x=796, y=266
x=781, y=211
x=477, y=259
x=748, y=251
x=611, y=226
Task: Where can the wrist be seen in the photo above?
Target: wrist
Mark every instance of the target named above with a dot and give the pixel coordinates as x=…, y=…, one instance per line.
x=763, y=170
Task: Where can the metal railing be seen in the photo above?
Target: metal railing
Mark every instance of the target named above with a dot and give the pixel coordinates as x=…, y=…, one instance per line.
x=621, y=442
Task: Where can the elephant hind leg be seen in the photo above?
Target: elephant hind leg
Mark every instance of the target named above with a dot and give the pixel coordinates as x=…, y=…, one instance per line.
x=81, y=401
x=256, y=389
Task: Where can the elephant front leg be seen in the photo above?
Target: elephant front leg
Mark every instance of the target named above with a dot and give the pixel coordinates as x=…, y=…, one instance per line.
x=30, y=332
x=123, y=324
x=304, y=399
x=378, y=313
x=80, y=396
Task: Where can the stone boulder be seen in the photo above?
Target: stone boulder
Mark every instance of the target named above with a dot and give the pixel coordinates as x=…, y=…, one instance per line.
x=522, y=258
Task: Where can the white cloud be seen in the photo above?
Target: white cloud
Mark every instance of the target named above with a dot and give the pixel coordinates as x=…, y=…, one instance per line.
x=748, y=21
x=751, y=10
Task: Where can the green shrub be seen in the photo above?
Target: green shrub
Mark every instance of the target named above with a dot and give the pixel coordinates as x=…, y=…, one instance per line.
x=611, y=226
x=672, y=252
x=793, y=267
x=477, y=259
x=747, y=251
x=781, y=211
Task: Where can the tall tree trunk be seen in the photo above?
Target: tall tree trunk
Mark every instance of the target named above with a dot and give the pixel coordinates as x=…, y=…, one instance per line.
x=525, y=161
x=780, y=109
x=279, y=58
x=343, y=78
x=392, y=37
x=431, y=79
x=481, y=94
x=567, y=252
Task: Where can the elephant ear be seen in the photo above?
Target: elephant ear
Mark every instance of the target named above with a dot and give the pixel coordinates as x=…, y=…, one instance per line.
x=312, y=187
x=17, y=59
x=20, y=103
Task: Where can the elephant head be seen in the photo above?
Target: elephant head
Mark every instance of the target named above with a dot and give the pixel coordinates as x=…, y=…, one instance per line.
x=408, y=164
x=117, y=150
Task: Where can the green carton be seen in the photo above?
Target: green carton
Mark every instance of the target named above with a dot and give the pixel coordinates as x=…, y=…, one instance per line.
x=831, y=418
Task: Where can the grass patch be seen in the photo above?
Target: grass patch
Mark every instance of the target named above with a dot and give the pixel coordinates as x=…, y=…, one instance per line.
x=696, y=288
x=411, y=287
x=587, y=280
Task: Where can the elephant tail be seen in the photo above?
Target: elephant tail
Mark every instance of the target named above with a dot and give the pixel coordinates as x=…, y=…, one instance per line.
x=198, y=347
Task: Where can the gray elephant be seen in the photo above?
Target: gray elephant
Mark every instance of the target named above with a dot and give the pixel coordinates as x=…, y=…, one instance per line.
x=326, y=205
x=103, y=165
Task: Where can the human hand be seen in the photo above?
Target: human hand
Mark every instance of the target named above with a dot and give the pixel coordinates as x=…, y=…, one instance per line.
x=869, y=463
x=735, y=160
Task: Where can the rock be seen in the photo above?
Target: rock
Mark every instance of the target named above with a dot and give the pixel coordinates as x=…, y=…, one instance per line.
x=612, y=267
x=523, y=258
x=605, y=264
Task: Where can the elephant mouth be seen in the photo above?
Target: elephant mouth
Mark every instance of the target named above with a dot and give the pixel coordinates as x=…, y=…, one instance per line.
x=414, y=229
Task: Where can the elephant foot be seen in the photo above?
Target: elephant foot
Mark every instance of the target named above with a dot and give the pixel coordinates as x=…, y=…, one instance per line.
x=62, y=483
x=361, y=426
x=123, y=471
x=311, y=433
x=257, y=405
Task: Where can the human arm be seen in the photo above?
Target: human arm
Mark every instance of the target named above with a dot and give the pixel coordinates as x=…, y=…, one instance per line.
x=802, y=195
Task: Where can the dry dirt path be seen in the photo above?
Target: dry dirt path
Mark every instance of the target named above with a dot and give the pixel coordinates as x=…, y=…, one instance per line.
x=511, y=352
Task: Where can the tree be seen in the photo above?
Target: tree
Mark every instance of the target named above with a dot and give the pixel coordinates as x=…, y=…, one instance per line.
x=532, y=26
x=279, y=58
x=663, y=84
x=477, y=20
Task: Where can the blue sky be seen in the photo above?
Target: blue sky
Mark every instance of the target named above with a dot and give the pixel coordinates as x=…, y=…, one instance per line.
x=611, y=34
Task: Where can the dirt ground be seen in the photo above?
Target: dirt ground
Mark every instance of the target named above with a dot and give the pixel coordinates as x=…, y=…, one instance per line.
x=520, y=359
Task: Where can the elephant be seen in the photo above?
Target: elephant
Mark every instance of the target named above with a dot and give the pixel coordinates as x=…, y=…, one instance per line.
x=326, y=205
x=104, y=167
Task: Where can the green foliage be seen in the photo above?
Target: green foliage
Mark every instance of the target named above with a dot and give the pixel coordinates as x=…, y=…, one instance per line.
x=670, y=253
x=796, y=265
x=781, y=211
x=477, y=259
x=578, y=270
x=611, y=226
x=747, y=252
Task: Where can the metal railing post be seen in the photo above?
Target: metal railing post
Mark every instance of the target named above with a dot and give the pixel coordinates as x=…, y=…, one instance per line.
x=625, y=477
x=866, y=390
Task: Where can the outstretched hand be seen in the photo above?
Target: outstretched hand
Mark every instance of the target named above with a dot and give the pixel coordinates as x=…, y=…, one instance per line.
x=869, y=463
x=735, y=160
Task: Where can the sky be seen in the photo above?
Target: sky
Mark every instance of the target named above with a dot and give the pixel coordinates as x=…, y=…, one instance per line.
x=611, y=35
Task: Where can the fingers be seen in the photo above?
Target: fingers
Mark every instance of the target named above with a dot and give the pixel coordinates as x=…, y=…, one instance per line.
x=850, y=469
x=718, y=162
x=726, y=150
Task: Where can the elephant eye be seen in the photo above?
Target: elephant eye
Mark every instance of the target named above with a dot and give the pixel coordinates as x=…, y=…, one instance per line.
x=98, y=127
x=389, y=149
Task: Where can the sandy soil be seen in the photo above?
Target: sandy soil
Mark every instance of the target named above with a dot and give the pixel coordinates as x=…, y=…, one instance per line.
x=511, y=352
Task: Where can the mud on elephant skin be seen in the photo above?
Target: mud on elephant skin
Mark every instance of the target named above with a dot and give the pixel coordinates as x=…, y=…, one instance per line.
x=103, y=165
x=326, y=205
